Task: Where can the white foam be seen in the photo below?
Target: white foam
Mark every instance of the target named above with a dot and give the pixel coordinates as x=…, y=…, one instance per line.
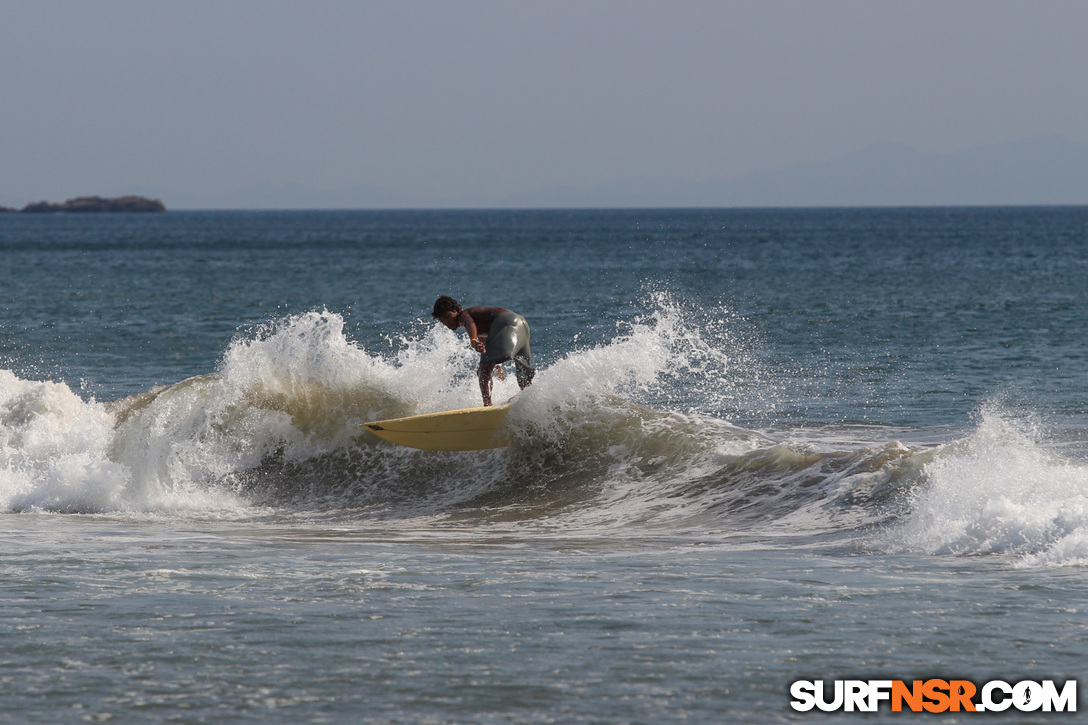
x=1001, y=491
x=295, y=389
x=289, y=388
x=670, y=352
x=299, y=388
x=53, y=449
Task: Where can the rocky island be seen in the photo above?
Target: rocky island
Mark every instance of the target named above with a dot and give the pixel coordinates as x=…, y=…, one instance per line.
x=94, y=205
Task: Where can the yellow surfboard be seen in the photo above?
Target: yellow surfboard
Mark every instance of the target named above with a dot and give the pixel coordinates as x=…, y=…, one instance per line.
x=467, y=429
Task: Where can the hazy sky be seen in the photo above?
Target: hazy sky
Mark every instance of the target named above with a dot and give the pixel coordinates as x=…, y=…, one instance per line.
x=475, y=100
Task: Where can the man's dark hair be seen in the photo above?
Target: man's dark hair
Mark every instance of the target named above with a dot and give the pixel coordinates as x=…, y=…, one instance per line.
x=444, y=304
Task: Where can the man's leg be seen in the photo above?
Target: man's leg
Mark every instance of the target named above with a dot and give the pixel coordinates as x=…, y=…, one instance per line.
x=524, y=372
x=484, y=373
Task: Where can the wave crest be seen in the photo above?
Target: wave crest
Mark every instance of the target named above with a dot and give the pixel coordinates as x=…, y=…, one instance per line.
x=1001, y=490
x=607, y=438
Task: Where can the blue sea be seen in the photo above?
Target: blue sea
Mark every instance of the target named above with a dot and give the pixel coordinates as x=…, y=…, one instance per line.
x=762, y=446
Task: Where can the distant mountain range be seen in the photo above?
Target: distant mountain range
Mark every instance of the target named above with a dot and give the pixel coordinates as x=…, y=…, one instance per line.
x=1034, y=171
x=1044, y=170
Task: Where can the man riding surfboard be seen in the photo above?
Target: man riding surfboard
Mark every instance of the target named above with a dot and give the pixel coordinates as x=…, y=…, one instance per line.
x=496, y=333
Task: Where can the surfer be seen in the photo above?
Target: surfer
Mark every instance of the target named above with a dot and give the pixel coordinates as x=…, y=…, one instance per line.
x=496, y=333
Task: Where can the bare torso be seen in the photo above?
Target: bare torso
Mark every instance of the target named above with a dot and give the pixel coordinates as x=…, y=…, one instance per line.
x=477, y=320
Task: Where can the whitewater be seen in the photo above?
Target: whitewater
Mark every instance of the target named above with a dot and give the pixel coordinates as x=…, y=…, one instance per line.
x=281, y=424
x=730, y=473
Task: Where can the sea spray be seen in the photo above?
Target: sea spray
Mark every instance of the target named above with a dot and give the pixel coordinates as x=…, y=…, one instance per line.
x=1000, y=490
x=53, y=450
x=289, y=391
x=601, y=440
x=674, y=355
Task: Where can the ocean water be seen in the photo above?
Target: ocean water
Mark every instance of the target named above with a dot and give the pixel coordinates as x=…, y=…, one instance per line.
x=762, y=446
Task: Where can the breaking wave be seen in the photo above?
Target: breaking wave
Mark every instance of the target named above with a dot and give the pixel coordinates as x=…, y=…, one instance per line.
x=1001, y=490
x=619, y=436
